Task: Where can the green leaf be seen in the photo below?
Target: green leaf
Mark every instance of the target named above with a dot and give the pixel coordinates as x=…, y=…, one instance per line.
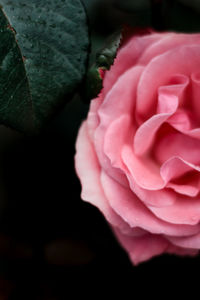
x=104, y=60
x=43, y=56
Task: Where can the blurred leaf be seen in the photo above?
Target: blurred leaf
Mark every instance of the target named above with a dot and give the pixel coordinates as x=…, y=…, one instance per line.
x=43, y=54
x=132, y=6
x=104, y=59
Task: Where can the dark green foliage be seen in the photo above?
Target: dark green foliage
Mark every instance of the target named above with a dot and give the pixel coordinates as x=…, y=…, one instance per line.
x=104, y=60
x=43, y=55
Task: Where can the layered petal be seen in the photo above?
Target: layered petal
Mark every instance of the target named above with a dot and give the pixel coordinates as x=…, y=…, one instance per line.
x=146, y=132
x=127, y=57
x=159, y=71
x=168, y=41
x=173, y=144
x=118, y=102
x=127, y=205
x=143, y=247
x=144, y=171
x=88, y=170
x=185, y=210
x=190, y=242
x=195, y=94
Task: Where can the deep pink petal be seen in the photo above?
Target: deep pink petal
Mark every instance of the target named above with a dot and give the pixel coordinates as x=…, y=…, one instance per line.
x=191, y=242
x=195, y=94
x=142, y=248
x=126, y=204
x=172, y=249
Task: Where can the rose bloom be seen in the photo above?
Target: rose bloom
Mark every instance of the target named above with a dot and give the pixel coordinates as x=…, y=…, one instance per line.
x=138, y=152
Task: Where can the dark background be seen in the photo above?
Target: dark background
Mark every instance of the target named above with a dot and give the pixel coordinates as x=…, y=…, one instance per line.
x=52, y=244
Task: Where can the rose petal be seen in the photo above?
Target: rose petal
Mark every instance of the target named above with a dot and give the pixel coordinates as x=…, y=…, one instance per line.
x=142, y=248
x=158, y=72
x=185, y=210
x=93, y=118
x=153, y=198
x=187, y=190
x=127, y=57
x=126, y=204
x=88, y=170
x=184, y=122
x=175, y=167
x=144, y=171
x=112, y=108
x=117, y=134
x=173, y=144
x=167, y=42
x=195, y=94
x=172, y=249
x=146, y=132
x=191, y=242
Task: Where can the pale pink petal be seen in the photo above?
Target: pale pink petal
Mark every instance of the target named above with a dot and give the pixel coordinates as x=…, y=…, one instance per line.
x=112, y=108
x=142, y=248
x=185, y=210
x=158, y=72
x=173, y=144
x=176, y=86
x=127, y=57
x=167, y=42
x=88, y=171
x=118, y=133
x=146, y=132
x=188, y=190
x=158, y=198
x=92, y=117
x=175, y=167
x=126, y=204
x=184, y=121
x=181, y=120
x=144, y=171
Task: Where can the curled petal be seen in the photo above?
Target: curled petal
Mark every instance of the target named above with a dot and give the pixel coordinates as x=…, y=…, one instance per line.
x=175, y=167
x=126, y=204
x=143, y=170
x=158, y=72
x=146, y=132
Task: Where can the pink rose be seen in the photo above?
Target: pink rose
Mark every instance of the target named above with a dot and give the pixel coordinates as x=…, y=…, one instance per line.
x=138, y=152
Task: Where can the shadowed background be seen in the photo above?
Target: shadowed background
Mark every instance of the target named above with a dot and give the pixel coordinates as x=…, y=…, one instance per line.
x=51, y=242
